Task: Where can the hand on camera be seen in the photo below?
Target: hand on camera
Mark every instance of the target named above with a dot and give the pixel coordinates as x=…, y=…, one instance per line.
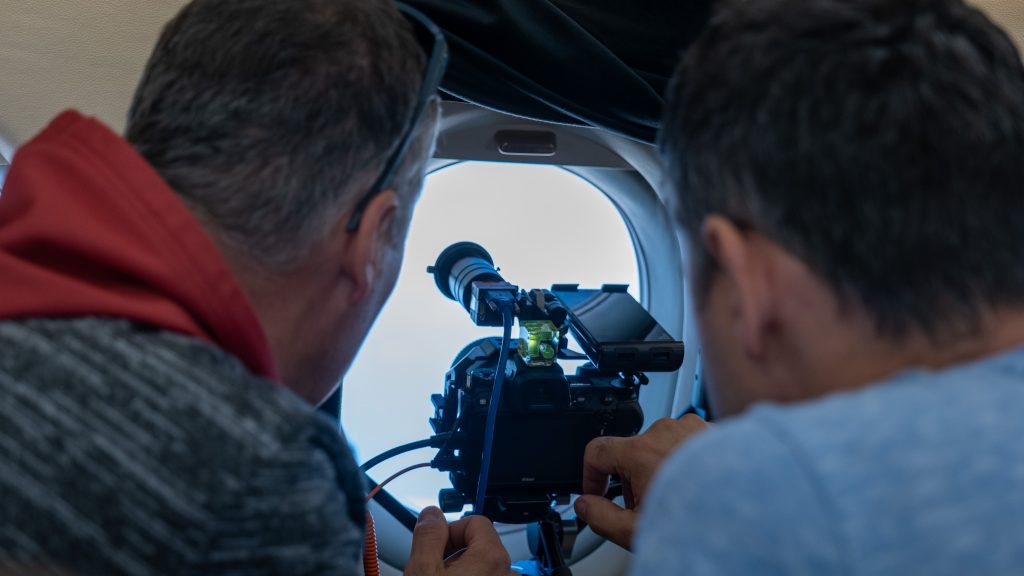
x=470, y=546
x=634, y=460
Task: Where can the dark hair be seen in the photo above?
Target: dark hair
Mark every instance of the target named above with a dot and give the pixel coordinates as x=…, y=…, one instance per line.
x=271, y=118
x=880, y=141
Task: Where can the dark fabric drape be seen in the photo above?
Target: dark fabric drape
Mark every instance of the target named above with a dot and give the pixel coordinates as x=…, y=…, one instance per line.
x=602, y=63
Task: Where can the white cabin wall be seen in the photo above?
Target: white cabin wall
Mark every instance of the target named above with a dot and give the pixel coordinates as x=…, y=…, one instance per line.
x=83, y=54
x=1009, y=14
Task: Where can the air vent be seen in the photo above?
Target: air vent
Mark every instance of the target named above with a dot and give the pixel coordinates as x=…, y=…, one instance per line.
x=526, y=142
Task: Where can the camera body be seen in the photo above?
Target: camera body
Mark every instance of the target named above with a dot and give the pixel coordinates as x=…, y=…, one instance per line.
x=545, y=421
x=544, y=418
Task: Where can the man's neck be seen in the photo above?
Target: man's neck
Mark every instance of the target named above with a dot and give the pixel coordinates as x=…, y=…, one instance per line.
x=866, y=360
x=290, y=307
x=996, y=332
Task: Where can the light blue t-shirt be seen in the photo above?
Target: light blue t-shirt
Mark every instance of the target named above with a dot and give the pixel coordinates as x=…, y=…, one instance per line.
x=919, y=474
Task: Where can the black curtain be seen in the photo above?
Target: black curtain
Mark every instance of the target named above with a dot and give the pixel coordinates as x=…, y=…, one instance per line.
x=602, y=63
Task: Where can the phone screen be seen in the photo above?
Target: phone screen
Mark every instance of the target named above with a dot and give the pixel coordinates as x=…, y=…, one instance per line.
x=612, y=317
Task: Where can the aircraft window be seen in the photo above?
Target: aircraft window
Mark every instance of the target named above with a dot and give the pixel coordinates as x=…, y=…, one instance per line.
x=5, y=155
x=542, y=224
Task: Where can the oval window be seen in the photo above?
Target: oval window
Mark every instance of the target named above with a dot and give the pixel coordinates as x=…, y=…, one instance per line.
x=542, y=224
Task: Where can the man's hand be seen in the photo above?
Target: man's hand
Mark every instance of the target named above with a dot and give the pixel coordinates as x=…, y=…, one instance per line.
x=634, y=460
x=470, y=546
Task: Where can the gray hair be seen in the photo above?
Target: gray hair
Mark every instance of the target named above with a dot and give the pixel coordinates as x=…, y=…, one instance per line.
x=271, y=118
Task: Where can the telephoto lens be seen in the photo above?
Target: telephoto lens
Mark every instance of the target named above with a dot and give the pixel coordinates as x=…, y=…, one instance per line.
x=459, y=266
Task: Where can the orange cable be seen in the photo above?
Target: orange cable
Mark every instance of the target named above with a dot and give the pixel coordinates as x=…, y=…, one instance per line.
x=371, y=563
x=389, y=479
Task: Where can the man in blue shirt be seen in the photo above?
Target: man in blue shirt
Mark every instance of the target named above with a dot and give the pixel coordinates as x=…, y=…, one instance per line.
x=849, y=180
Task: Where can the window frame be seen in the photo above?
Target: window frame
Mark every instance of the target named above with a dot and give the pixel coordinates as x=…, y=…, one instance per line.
x=6, y=155
x=629, y=174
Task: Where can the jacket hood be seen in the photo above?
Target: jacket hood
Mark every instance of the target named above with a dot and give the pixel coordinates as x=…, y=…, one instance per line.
x=88, y=228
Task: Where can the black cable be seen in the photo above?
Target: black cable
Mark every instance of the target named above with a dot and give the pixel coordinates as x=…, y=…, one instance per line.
x=433, y=441
x=458, y=422
x=388, y=502
x=391, y=504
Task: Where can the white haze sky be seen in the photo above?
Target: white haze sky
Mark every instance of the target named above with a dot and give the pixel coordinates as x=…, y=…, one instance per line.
x=543, y=226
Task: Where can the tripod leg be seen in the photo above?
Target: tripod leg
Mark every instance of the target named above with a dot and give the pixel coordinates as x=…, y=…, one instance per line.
x=552, y=559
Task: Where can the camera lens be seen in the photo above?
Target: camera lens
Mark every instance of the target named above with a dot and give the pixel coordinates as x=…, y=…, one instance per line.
x=459, y=266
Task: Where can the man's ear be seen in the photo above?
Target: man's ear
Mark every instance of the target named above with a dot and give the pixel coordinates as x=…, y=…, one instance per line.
x=361, y=250
x=742, y=261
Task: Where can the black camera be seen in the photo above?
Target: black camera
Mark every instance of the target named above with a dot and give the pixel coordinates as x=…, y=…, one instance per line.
x=544, y=418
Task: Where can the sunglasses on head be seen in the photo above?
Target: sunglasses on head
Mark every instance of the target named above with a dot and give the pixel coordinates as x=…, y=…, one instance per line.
x=432, y=41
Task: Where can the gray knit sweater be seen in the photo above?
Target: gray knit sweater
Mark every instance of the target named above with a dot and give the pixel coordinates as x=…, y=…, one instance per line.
x=129, y=450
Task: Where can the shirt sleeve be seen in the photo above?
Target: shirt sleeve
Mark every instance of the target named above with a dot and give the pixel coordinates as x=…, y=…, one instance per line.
x=737, y=500
x=299, y=512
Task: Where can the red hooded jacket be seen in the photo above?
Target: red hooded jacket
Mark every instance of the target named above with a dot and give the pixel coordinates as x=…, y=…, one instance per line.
x=88, y=228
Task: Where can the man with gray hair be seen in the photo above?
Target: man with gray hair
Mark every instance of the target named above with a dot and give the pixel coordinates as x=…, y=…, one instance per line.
x=175, y=303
